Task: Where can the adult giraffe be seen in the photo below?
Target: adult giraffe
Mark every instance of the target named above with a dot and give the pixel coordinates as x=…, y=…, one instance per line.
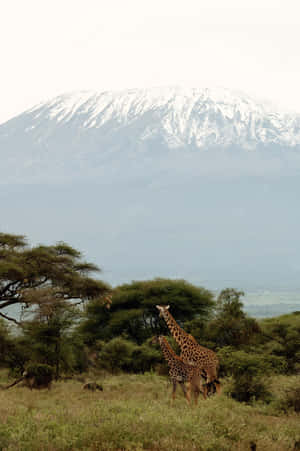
x=191, y=352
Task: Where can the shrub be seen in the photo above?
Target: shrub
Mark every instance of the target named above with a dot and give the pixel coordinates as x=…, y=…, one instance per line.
x=289, y=396
x=292, y=399
x=145, y=358
x=116, y=355
x=281, y=337
x=121, y=354
x=41, y=373
x=248, y=371
x=248, y=388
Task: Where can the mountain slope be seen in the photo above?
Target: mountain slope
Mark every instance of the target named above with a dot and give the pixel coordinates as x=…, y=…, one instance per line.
x=188, y=183
x=88, y=134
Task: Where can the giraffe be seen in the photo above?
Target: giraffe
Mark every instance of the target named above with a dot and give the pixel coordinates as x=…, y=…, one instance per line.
x=191, y=352
x=182, y=372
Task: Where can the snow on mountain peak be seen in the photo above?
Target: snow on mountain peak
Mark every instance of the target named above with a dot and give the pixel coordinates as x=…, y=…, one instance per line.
x=176, y=117
x=180, y=116
x=89, y=133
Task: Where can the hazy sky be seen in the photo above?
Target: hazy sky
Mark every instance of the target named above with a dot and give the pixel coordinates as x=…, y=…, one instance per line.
x=49, y=47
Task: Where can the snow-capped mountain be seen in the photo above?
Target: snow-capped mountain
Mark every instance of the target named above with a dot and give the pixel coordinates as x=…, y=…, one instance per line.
x=89, y=133
x=178, y=117
x=171, y=182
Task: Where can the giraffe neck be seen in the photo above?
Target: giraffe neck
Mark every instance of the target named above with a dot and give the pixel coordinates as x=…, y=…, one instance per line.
x=176, y=331
x=167, y=351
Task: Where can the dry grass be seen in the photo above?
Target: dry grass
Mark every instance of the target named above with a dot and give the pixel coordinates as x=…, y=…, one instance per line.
x=134, y=413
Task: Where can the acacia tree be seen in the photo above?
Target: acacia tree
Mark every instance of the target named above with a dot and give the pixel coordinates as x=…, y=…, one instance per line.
x=231, y=325
x=133, y=311
x=229, y=303
x=59, y=267
x=49, y=331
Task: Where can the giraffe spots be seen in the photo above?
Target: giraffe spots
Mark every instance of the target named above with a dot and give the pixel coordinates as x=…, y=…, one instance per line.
x=191, y=352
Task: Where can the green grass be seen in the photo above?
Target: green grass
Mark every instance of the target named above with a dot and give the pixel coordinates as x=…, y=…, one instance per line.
x=134, y=413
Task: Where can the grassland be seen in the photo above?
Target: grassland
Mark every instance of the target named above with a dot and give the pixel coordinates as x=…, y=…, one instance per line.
x=134, y=413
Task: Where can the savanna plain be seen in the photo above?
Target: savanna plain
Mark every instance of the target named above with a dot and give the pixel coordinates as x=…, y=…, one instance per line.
x=133, y=412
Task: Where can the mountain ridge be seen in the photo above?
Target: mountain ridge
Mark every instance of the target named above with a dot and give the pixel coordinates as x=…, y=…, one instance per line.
x=201, y=186
x=182, y=111
x=141, y=131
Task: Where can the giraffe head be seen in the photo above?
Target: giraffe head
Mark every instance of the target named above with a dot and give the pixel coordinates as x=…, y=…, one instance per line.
x=163, y=309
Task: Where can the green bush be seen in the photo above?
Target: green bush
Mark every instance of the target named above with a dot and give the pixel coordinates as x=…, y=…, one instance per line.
x=120, y=354
x=281, y=338
x=116, y=355
x=145, y=358
x=39, y=371
x=248, y=388
x=292, y=399
x=248, y=373
x=289, y=399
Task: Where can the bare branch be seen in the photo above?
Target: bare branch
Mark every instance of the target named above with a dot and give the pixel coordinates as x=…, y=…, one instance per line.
x=10, y=319
x=9, y=285
x=10, y=302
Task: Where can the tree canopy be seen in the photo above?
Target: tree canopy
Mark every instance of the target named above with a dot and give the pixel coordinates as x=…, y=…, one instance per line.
x=58, y=267
x=133, y=310
x=281, y=338
x=231, y=325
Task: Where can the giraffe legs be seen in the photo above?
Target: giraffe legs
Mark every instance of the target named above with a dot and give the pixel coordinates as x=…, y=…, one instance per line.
x=174, y=390
x=199, y=387
x=189, y=389
x=187, y=392
x=212, y=382
x=214, y=387
x=218, y=387
x=204, y=391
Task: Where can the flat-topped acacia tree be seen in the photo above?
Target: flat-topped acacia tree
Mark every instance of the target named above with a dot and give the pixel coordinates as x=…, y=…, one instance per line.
x=133, y=310
x=60, y=267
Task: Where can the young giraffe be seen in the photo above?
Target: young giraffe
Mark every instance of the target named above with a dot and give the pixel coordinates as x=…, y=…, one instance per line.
x=191, y=352
x=182, y=372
